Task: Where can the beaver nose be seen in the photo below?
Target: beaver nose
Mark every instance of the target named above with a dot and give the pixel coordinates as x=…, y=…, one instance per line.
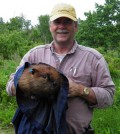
x=55, y=83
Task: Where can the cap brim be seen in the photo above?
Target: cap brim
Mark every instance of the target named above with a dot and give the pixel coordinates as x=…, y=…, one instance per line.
x=54, y=17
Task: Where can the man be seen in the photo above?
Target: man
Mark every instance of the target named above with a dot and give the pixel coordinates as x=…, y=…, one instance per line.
x=90, y=83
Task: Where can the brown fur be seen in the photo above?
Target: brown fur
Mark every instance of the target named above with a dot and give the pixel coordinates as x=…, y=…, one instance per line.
x=40, y=80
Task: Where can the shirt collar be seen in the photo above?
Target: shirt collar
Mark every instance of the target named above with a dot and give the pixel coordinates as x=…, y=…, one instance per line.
x=70, y=52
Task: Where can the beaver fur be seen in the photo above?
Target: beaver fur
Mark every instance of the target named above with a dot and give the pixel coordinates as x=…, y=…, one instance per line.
x=40, y=80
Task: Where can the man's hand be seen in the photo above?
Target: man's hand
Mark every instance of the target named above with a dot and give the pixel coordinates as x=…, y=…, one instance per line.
x=13, y=90
x=75, y=89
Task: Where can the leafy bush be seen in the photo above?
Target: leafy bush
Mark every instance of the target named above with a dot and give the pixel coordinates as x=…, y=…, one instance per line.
x=113, y=60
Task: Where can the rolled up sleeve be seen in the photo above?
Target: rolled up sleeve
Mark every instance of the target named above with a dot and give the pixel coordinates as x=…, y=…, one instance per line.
x=104, y=88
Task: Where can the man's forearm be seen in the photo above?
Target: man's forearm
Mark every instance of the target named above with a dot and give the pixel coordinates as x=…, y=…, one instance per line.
x=78, y=90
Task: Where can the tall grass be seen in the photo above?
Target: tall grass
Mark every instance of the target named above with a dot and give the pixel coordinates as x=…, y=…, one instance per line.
x=7, y=103
x=106, y=121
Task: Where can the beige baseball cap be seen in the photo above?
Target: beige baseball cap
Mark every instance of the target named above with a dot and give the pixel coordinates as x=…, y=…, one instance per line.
x=63, y=10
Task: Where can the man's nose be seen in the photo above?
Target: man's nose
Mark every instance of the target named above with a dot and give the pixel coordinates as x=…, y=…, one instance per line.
x=62, y=24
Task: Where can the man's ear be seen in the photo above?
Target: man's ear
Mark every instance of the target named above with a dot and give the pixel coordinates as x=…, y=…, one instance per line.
x=76, y=26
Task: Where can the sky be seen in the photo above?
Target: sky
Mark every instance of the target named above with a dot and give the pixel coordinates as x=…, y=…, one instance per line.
x=32, y=9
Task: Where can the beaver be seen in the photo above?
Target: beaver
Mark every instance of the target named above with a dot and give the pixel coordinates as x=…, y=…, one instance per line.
x=40, y=81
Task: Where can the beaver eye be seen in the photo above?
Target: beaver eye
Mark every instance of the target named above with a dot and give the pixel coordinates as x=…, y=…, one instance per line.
x=32, y=70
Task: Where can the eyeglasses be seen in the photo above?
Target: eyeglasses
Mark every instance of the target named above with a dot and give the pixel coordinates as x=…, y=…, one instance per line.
x=64, y=22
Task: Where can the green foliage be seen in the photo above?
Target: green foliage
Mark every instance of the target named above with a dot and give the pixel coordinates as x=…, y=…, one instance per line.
x=43, y=28
x=18, y=23
x=113, y=59
x=106, y=121
x=6, y=116
x=14, y=42
x=114, y=63
x=7, y=103
x=101, y=27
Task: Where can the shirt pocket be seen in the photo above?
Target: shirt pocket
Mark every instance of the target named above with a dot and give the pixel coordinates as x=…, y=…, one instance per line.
x=80, y=77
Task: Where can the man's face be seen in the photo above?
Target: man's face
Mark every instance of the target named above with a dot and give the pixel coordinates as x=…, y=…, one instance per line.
x=63, y=30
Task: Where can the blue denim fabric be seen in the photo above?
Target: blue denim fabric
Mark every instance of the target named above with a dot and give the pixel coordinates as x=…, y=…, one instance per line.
x=40, y=116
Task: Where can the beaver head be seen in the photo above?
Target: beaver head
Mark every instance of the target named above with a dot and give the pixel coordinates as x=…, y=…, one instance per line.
x=40, y=80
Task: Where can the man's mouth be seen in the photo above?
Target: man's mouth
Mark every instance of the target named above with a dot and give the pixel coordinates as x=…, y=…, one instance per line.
x=59, y=31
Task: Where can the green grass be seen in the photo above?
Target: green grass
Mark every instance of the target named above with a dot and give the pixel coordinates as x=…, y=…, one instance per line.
x=106, y=121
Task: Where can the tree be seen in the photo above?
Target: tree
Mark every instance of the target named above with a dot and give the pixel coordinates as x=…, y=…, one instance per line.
x=43, y=28
x=3, y=27
x=18, y=23
x=101, y=27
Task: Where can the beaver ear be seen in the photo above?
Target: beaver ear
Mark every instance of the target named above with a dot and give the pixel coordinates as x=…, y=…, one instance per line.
x=27, y=64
